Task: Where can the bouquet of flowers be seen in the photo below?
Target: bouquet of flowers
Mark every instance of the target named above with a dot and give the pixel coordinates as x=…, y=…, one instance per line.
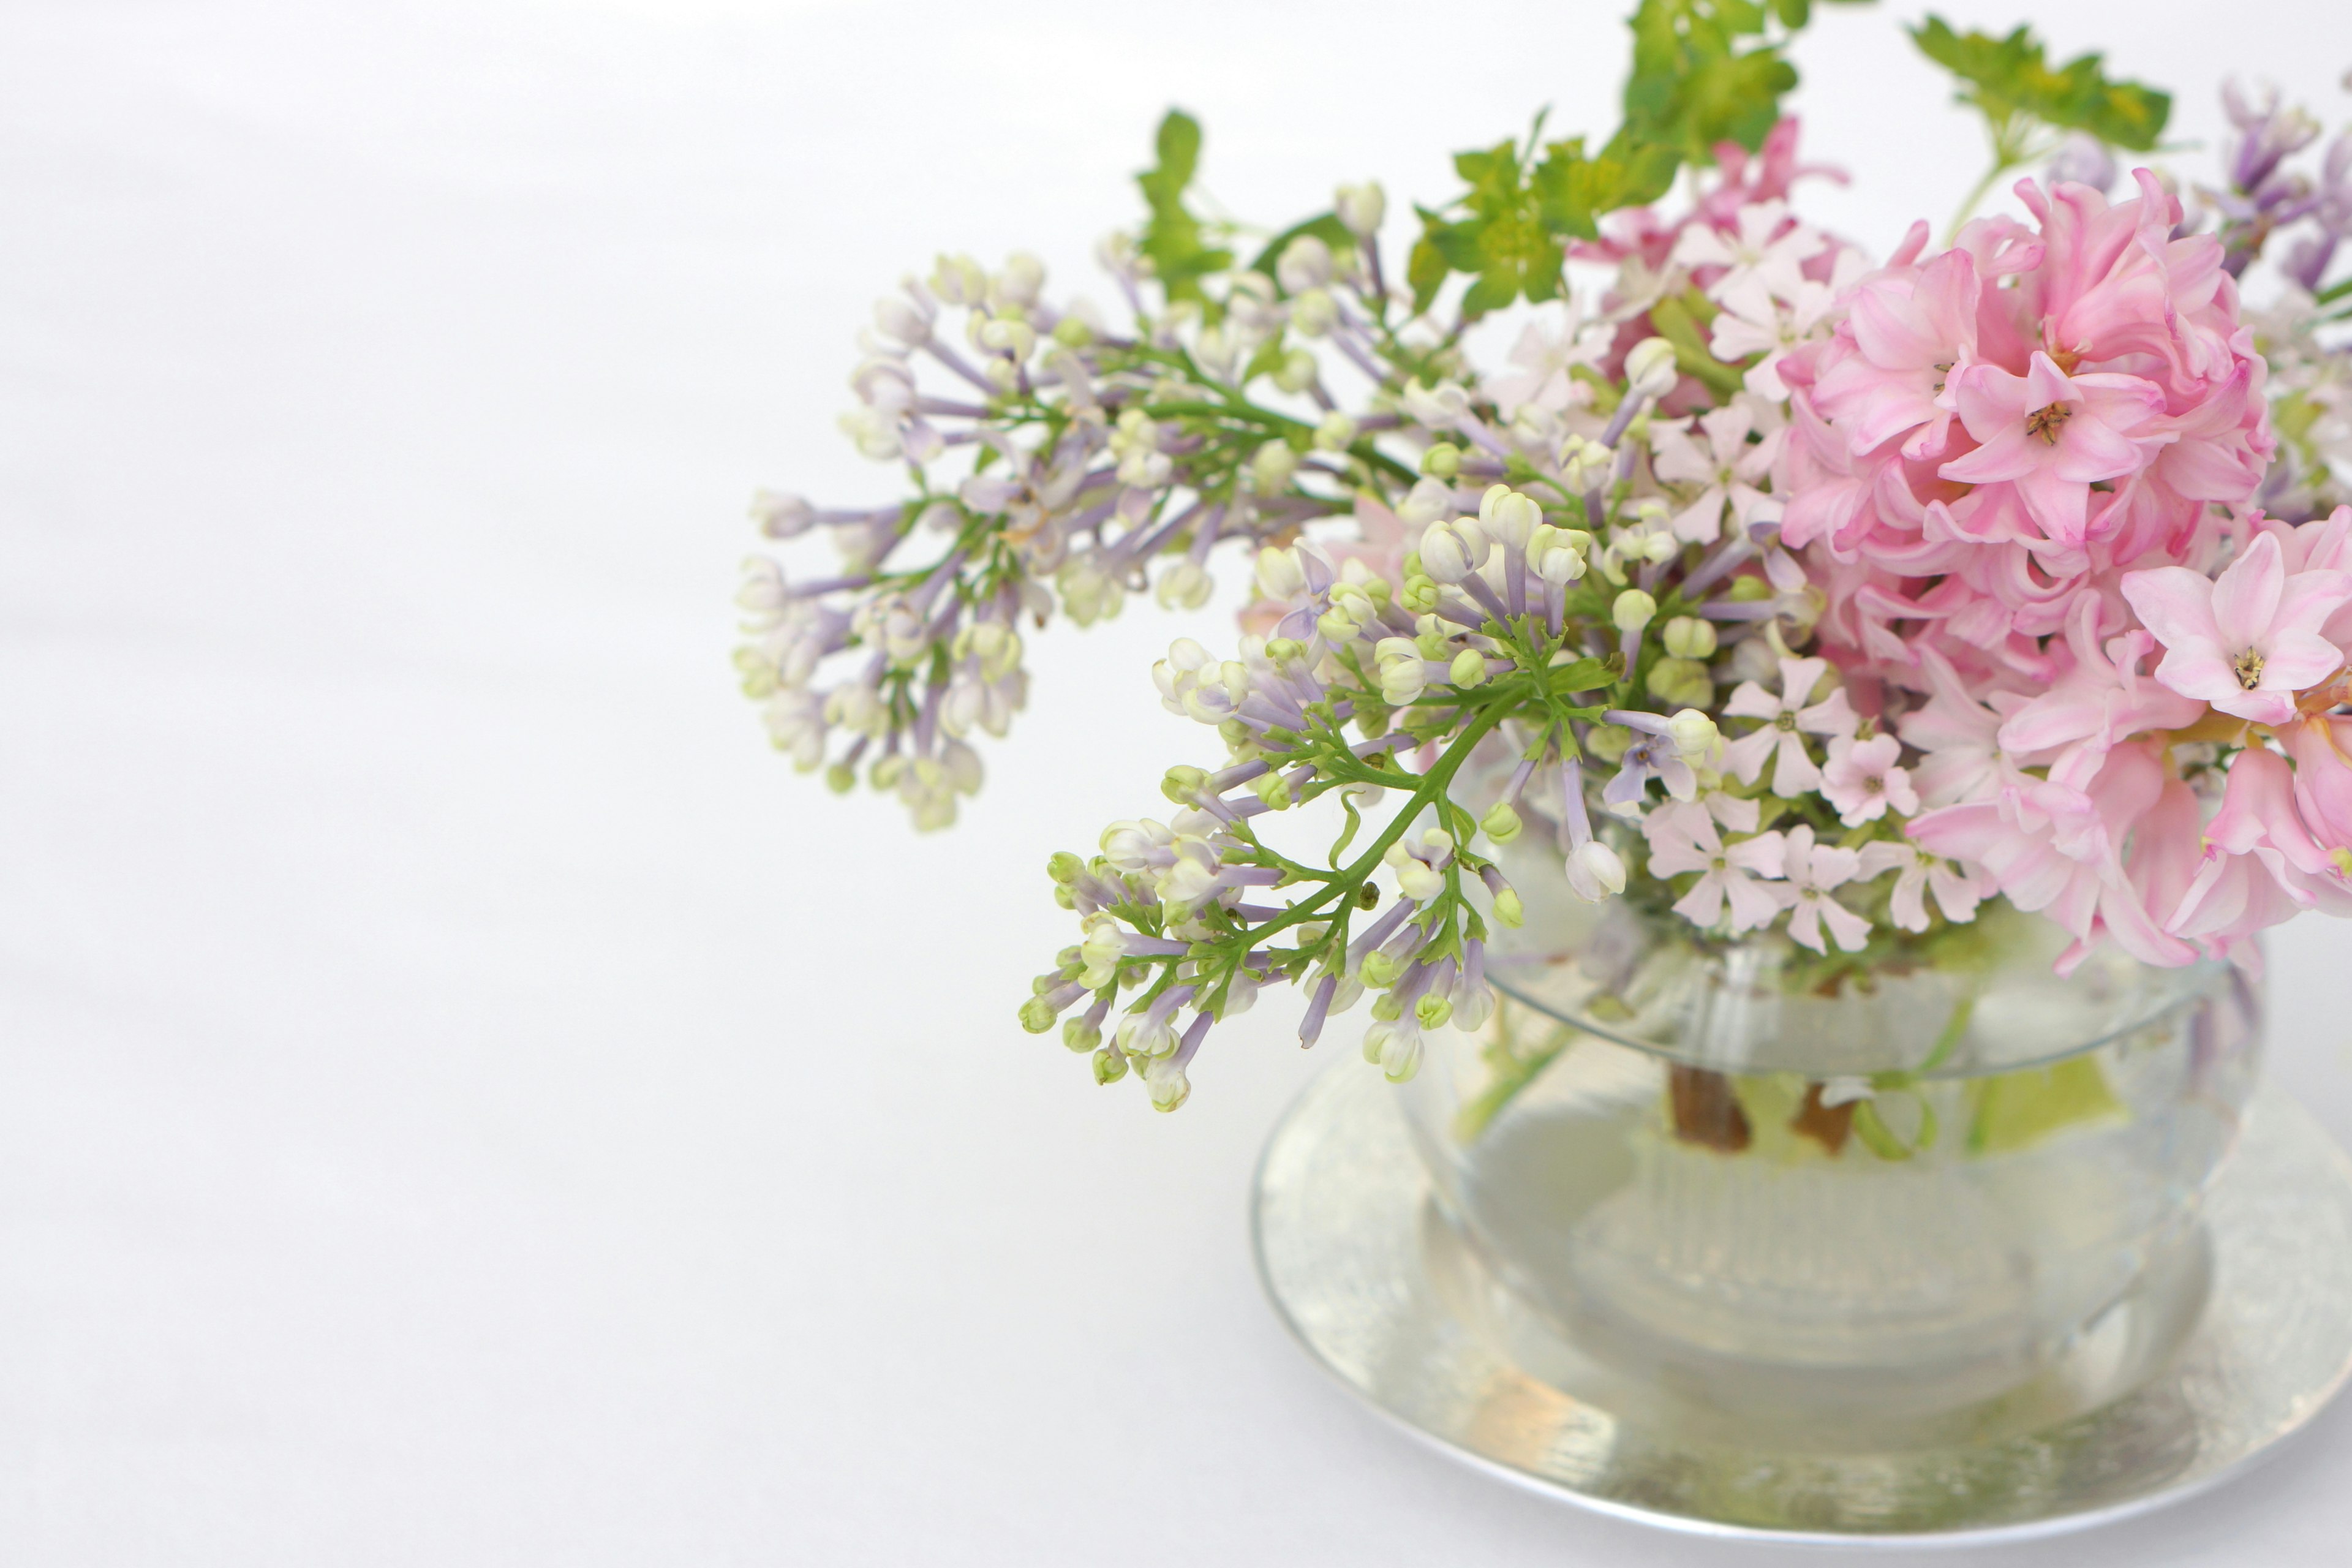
x=1773, y=585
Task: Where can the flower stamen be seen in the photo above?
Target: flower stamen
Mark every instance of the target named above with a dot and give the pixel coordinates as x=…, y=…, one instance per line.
x=2047, y=420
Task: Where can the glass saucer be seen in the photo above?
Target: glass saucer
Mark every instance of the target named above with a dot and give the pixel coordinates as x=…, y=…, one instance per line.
x=2158, y=1400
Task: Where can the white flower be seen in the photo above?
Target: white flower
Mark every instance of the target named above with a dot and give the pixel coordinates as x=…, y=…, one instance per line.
x=1594, y=871
x=1650, y=368
x=1957, y=888
x=782, y=516
x=1396, y=1048
x=1753, y=255
x=1862, y=781
x=1445, y=553
x=1543, y=359
x=1417, y=879
x=1730, y=470
x=1754, y=322
x=1439, y=407
x=1186, y=586
x=1361, y=208
x=1169, y=1085
x=1695, y=737
x=1683, y=837
x=1793, y=771
x=1306, y=263
x=1089, y=593
x=905, y=319
x=795, y=721
x=1507, y=516
x=1811, y=871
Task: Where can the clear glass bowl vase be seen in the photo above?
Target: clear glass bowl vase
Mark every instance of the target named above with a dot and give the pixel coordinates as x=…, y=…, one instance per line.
x=1945, y=1193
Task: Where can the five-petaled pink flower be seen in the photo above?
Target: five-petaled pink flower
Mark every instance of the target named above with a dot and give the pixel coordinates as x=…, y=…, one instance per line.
x=1812, y=869
x=2053, y=436
x=1958, y=888
x=1683, y=837
x=2247, y=641
x=1862, y=780
x=1793, y=770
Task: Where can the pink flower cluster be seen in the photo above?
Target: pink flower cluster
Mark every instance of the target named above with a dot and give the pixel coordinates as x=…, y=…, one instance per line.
x=1997, y=430
x=2011, y=475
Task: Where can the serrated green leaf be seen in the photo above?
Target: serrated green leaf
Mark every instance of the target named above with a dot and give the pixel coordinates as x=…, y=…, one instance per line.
x=2009, y=77
x=1173, y=237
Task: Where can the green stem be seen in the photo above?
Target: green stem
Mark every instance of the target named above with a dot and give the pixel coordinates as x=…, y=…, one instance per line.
x=1432, y=784
x=2001, y=164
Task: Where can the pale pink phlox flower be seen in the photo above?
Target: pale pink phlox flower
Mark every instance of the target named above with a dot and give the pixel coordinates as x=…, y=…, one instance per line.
x=1958, y=888
x=1729, y=468
x=1753, y=320
x=1788, y=718
x=1543, y=359
x=1684, y=837
x=1862, y=780
x=1809, y=871
x=2248, y=640
x=1764, y=245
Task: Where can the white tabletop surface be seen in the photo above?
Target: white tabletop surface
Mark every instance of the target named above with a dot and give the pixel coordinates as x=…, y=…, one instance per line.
x=463, y=1100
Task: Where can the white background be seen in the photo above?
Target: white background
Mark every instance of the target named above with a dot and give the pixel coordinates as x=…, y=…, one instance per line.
x=463, y=1100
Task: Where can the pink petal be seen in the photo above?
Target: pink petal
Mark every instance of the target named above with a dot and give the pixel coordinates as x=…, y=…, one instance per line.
x=1991, y=401
x=2308, y=598
x=1752, y=906
x=1703, y=903
x=2246, y=596
x=2200, y=671
x=2006, y=454
x=2299, y=659
x=2174, y=603
x=1750, y=701
x=2046, y=384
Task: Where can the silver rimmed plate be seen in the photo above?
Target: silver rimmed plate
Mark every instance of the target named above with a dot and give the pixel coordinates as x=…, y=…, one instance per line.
x=1378, y=1289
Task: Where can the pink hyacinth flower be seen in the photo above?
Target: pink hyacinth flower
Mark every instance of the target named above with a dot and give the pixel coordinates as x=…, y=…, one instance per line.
x=2053, y=436
x=2261, y=864
x=2322, y=750
x=1862, y=781
x=2245, y=642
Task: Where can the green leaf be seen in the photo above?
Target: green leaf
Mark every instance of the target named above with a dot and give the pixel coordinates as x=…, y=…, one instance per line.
x=1173, y=237
x=1584, y=674
x=1705, y=72
x=2009, y=78
x=1503, y=243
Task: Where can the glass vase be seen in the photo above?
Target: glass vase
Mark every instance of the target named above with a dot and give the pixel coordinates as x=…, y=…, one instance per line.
x=1919, y=1192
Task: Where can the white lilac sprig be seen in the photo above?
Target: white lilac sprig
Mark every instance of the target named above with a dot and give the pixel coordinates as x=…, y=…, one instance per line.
x=1060, y=466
